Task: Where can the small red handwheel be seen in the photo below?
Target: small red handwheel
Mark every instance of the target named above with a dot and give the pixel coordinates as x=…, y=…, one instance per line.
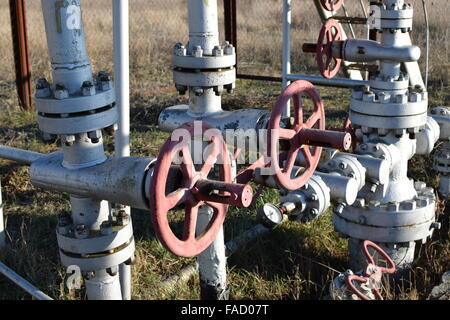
x=295, y=135
x=329, y=34
x=371, y=259
x=332, y=5
x=349, y=281
x=194, y=191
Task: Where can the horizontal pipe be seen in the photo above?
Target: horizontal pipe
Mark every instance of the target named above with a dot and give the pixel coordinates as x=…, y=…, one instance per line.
x=22, y=283
x=319, y=81
x=19, y=155
x=119, y=180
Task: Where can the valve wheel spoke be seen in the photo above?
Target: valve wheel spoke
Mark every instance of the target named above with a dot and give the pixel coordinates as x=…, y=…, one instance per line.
x=211, y=159
x=190, y=222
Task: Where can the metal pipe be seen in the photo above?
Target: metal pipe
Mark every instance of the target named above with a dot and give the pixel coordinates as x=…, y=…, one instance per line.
x=21, y=55
x=125, y=280
x=22, y=283
x=66, y=44
x=103, y=286
x=212, y=262
x=20, y=156
x=286, y=68
x=2, y=223
x=122, y=85
x=122, y=75
x=203, y=25
x=343, y=83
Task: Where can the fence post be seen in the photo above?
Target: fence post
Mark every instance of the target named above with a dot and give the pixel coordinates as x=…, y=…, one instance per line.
x=21, y=56
x=230, y=12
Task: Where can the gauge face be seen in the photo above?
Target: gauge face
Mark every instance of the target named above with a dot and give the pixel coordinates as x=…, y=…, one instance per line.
x=270, y=215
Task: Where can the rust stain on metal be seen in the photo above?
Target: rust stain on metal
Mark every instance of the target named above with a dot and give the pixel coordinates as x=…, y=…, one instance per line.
x=21, y=55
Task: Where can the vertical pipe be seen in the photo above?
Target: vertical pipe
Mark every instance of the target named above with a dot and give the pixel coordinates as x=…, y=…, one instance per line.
x=287, y=20
x=21, y=55
x=2, y=223
x=122, y=75
x=125, y=280
x=122, y=85
x=103, y=286
x=203, y=25
x=212, y=262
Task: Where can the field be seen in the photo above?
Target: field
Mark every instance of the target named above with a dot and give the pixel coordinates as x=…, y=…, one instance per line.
x=295, y=261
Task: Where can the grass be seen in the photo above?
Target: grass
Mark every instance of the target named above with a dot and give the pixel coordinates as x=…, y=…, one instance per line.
x=295, y=261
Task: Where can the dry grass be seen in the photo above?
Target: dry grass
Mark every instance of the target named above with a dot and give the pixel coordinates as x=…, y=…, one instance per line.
x=295, y=261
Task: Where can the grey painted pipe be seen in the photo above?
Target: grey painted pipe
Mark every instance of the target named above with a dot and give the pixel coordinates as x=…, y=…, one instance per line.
x=22, y=283
x=19, y=155
x=2, y=223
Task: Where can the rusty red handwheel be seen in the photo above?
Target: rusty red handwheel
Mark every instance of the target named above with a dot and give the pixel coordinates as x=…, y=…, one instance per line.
x=332, y=5
x=194, y=191
x=330, y=33
x=283, y=176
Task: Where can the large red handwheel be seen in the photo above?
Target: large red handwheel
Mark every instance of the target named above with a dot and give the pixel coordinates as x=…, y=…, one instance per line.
x=332, y=5
x=194, y=191
x=329, y=34
x=283, y=176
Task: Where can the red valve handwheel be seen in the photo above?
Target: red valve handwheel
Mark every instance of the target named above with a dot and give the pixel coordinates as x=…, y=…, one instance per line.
x=329, y=34
x=373, y=272
x=332, y=5
x=195, y=190
x=283, y=176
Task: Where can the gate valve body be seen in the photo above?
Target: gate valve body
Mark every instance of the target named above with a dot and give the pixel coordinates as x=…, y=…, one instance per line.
x=373, y=273
x=327, y=62
x=194, y=191
x=306, y=137
x=332, y=5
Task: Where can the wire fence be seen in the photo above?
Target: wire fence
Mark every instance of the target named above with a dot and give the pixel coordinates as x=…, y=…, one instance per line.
x=156, y=25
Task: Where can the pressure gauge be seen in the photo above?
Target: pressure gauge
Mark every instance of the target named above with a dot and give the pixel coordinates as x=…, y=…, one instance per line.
x=270, y=216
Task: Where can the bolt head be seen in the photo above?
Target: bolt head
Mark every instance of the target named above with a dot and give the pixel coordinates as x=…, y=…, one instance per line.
x=123, y=218
x=61, y=92
x=88, y=89
x=81, y=232
x=197, y=52
x=106, y=228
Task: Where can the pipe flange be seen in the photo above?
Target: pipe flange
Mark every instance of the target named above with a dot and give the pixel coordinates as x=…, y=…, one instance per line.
x=387, y=122
x=75, y=104
x=96, y=242
x=99, y=261
x=312, y=200
x=75, y=123
x=393, y=222
x=347, y=166
x=222, y=57
x=387, y=83
x=204, y=79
